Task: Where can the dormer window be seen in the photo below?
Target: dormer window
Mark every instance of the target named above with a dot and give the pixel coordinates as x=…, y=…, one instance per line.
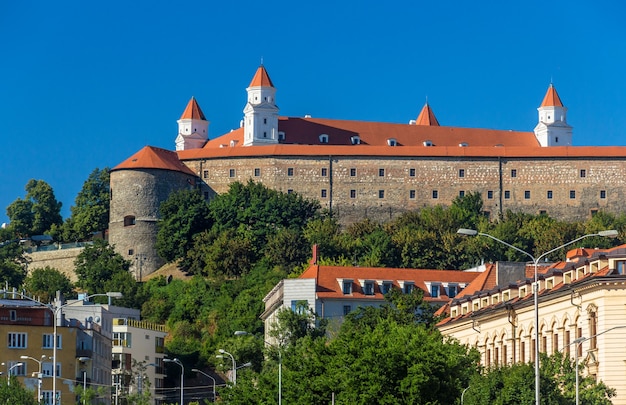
x=452, y=290
x=428, y=143
x=281, y=135
x=355, y=140
x=463, y=144
x=323, y=138
x=408, y=287
x=368, y=288
x=392, y=142
x=346, y=287
x=385, y=286
x=434, y=290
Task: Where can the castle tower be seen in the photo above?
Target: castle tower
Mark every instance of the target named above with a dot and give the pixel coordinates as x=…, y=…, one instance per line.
x=261, y=111
x=552, y=129
x=138, y=186
x=427, y=117
x=193, y=127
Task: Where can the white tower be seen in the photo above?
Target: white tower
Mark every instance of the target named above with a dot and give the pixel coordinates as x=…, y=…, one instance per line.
x=193, y=127
x=552, y=129
x=261, y=111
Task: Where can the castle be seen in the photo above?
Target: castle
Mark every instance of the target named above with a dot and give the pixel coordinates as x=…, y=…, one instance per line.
x=360, y=169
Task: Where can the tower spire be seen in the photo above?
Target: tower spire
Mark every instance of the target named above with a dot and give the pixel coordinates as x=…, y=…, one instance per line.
x=261, y=111
x=552, y=128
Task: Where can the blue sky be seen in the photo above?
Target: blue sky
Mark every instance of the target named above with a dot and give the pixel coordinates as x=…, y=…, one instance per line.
x=86, y=84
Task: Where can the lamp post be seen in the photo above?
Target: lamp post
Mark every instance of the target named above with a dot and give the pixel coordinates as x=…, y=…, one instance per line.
x=535, y=260
x=39, y=375
x=579, y=341
x=182, y=376
x=206, y=375
x=9, y=369
x=280, y=363
x=56, y=309
x=234, y=376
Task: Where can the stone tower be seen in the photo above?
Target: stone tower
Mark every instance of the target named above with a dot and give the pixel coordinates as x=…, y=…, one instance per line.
x=138, y=186
x=552, y=129
x=261, y=111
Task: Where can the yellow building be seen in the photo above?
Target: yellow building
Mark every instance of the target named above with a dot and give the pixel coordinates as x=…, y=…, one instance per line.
x=581, y=298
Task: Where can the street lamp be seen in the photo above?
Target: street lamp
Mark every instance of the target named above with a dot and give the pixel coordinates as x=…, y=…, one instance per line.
x=206, y=375
x=56, y=309
x=535, y=260
x=280, y=363
x=234, y=376
x=182, y=376
x=39, y=375
x=579, y=341
x=11, y=369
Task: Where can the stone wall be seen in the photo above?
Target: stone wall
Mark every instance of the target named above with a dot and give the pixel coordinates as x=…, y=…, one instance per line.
x=61, y=259
x=382, y=188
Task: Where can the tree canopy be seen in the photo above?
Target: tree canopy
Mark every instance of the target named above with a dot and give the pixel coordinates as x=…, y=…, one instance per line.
x=37, y=213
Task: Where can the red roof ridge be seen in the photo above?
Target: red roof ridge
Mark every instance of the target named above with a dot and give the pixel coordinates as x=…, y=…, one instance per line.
x=427, y=117
x=193, y=111
x=261, y=78
x=551, y=98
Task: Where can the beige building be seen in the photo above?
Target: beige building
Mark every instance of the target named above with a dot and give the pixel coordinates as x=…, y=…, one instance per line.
x=582, y=297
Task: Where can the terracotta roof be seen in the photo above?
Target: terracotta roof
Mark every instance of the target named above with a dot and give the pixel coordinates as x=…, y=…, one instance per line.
x=427, y=117
x=327, y=285
x=150, y=157
x=193, y=111
x=261, y=78
x=485, y=280
x=551, y=98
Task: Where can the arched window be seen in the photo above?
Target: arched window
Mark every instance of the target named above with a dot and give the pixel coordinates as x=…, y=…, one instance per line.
x=129, y=220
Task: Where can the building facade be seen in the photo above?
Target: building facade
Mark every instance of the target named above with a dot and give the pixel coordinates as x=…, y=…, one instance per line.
x=332, y=292
x=360, y=169
x=581, y=298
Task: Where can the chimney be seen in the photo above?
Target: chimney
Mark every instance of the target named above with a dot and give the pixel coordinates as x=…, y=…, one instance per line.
x=315, y=255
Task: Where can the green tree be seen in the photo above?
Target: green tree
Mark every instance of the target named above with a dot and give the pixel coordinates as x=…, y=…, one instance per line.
x=45, y=282
x=15, y=393
x=13, y=262
x=38, y=212
x=90, y=212
x=184, y=214
x=96, y=265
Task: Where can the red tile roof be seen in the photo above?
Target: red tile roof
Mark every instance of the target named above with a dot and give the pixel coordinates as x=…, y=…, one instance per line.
x=150, y=157
x=261, y=78
x=327, y=285
x=551, y=98
x=427, y=117
x=193, y=111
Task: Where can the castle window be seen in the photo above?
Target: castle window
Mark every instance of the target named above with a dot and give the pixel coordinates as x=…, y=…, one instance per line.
x=583, y=173
x=594, y=212
x=323, y=193
x=352, y=172
x=381, y=172
x=231, y=173
x=264, y=134
x=527, y=194
x=461, y=172
x=129, y=220
x=542, y=212
x=412, y=194
x=257, y=172
x=205, y=174
x=352, y=193
x=381, y=193
x=462, y=193
x=324, y=171
x=435, y=194
x=290, y=171
x=131, y=252
x=323, y=138
x=507, y=194
x=513, y=172
x=411, y=172
x=572, y=194
x=265, y=120
x=556, y=140
x=490, y=194
x=602, y=194
x=289, y=191
x=549, y=194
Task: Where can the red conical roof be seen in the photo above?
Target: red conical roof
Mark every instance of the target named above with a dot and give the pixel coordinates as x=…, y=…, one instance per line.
x=427, y=117
x=193, y=111
x=261, y=78
x=551, y=98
